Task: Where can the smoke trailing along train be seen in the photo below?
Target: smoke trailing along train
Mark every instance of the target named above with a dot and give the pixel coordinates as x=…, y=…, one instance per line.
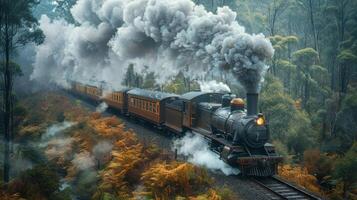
x=238, y=135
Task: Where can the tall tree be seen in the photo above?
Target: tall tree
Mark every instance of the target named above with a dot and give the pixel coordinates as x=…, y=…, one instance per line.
x=305, y=60
x=343, y=12
x=63, y=9
x=275, y=9
x=17, y=27
x=346, y=171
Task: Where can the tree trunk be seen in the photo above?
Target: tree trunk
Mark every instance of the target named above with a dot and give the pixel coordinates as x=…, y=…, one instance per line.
x=313, y=26
x=306, y=91
x=343, y=4
x=7, y=101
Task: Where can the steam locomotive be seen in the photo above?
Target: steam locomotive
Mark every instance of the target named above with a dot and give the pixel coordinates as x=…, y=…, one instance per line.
x=238, y=135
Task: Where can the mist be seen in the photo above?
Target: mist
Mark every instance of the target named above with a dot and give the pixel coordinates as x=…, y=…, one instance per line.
x=196, y=149
x=102, y=107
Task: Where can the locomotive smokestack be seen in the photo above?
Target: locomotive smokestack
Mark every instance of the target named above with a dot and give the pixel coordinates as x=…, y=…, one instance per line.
x=252, y=104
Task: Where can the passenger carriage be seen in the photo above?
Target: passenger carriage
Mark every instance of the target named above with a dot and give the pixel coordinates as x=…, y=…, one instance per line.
x=117, y=100
x=149, y=105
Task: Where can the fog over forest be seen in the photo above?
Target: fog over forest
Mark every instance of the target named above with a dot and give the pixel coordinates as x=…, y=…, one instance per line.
x=300, y=56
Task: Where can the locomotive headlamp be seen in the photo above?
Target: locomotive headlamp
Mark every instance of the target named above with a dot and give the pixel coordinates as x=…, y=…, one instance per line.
x=260, y=120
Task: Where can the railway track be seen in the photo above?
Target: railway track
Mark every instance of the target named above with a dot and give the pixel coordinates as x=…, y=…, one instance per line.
x=283, y=190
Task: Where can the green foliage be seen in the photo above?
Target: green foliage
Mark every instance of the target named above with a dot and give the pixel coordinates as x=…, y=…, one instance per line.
x=286, y=65
x=346, y=169
x=347, y=57
x=86, y=184
x=14, y=67
x=132, y=79
x=149, y=81
x=63, y=9
x=60, y=117
x=295, y=130
x=41, y=181
x=346, y=120
x=282, y=150
x=22, y=22
x=281, y=42
x=305, y=57
x=177, y=85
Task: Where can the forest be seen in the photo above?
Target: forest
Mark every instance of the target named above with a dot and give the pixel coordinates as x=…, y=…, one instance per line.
x=309, y=94
x=309, y=97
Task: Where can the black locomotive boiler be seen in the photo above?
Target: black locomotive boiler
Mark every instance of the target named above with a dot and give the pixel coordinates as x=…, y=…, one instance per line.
x=240, y=136
x=237, y=133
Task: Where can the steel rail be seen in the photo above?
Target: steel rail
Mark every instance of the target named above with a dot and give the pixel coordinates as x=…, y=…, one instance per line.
x=284, y=189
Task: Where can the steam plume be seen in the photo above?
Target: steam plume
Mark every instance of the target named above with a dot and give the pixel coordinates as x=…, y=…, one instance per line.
x=157, y=36
x=101, y=107
x=197, y=150
x=213, y=86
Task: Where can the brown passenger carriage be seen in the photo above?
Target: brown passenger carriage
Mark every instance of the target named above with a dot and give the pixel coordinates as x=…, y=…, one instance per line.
x=118, y=100
x=94, y=93
x=149, y=105
x=78, y=88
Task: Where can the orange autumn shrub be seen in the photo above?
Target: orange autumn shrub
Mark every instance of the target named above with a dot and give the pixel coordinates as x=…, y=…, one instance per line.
x=300, y=176
x=128, y=156
x=210, y=195
x=31, y=130
x=166, y=180
x=311, y=160
x=321, y=165
x=83, y=140
x=5, y=196
x=106, y=126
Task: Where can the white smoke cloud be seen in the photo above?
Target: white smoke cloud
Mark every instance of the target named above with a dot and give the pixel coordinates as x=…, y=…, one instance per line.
x=159, y=36
x=213, y=86
x=197, y=150
x=58, y=147
x=83, y=160
x=54, y=129
x=102, y=148
x=102, y=107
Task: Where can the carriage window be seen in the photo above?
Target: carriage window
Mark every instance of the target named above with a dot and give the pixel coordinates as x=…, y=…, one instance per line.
x=150, y=107
x=154, y=108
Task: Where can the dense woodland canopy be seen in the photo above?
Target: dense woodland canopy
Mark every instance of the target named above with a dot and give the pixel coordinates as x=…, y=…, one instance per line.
x=310, y=91
x=309, y=94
